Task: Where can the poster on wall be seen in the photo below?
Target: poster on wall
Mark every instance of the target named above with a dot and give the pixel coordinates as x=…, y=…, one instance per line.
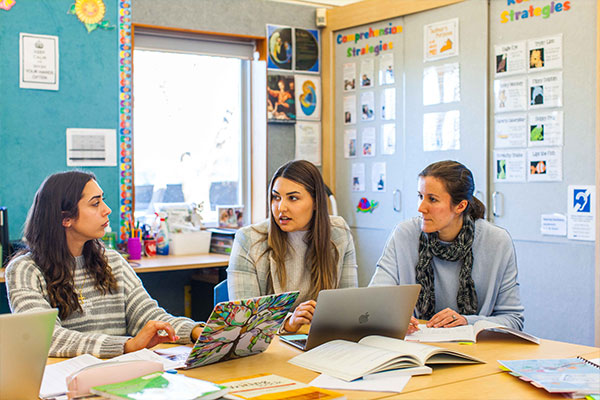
x=510, y=95
x=358, y=177
x=308, y=97
x=545, y=128
x=441, y=40
x=545, y=165
x=510, y=165
x=388, y=139
x=349, y=72
x=510, y=58
x=367, y=106
x=281, y=106
x=378, y=177
x=510, y=130
x=279, y=47
x=368, y=142
x=386, y=69
x=582, y=212
x=306, y=57
x=91, y=147
x=38, y=61
x=308, y=141
x=367, y=71
x=545, y=90
x=388, y=104
x=545, y=53
x=350, y=143
x=441, y=131
x=349, y=110
x=441, y=84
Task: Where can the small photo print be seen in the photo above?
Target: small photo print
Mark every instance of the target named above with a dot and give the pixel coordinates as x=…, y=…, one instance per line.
x=536, y=133
x=501, y=169
x=537, y=167
x=230, y=216
x=501, y=63
x=537, y=95
x=536, y=58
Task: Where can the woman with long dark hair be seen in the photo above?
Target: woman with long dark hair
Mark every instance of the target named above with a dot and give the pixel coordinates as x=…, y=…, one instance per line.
x=300, y=247
x=103, y=307
x=466, y=266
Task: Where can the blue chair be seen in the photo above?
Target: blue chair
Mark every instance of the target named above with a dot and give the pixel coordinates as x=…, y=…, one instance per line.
x=220, y=292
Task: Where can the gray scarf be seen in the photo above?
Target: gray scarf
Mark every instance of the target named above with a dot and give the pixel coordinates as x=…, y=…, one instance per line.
x=459, y=249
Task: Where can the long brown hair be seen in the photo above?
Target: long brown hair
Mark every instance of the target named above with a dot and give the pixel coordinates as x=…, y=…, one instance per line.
x=55, y=200
x=459, y=183
x=321, y=254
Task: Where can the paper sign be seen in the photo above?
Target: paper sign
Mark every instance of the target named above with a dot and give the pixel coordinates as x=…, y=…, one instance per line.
x=510, y=130
x=308, y=141
x=544, y=165
x=91, y=147
x=39, y=64
x=510, y=95
x=510, y=58
x=510, y=166
x=441, y=40
x=545, y=53
x=545, y=90
x=582, y=212
x=553, y=225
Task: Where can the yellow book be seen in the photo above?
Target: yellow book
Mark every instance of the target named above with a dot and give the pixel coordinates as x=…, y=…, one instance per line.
x=275, y=387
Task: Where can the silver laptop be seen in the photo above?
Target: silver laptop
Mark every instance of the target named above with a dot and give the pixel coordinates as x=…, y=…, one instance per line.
x=354, y=313
x=24, y=343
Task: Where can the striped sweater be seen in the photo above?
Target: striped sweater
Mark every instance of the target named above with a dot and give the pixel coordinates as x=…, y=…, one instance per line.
x=107, y=321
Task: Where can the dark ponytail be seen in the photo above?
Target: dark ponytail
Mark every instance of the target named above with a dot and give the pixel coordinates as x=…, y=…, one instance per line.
x=459, y=183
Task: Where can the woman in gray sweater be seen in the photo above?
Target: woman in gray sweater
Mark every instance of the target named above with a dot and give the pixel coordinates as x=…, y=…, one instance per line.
x=103, y=308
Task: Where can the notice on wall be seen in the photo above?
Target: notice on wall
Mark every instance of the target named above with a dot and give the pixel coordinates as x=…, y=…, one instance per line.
x=308, y=141
x=441, y=84
x=553, y=224
x=369, y=138
x=545, y=90
x=388, y=104
x=510, y=95
x=38, y=61
x=358, y=177
x=545, y=53
x=510, y=165
x=378, y=177
x=544, y=165
x=545, y=128
x=388, y=139
x=367, y=73
x=386, y=69
x=441, y=40
x=441, y=131
x=350, y=143
x=308, y=97
x=349, y=110
x=510, y=58
x=582, y=212
x=91, y=147
x=349, y=72
x=367, y=106
x=510, y=130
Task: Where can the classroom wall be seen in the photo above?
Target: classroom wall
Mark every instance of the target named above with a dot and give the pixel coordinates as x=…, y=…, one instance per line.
x=33, y=123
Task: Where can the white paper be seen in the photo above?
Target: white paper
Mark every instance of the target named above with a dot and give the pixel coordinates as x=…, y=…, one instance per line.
x=358, y=177
x=91, y=147
x=510, y=58
x=308, y=97
x=349, y=77
x=308, y=141
x=387, y=381
x=441, y=84
x=510, y=95
x=545, y=164
x=349, y=110
x=511, y=166
x=378, y=177
x=54, y=379
x=367, y=106
x=545, y=90
x=553, y=224
x=545, y=128
x=38, y=61
x=441, y=40
x=582, y=212
x=368, y=143
x=441, y=131
x=367, y=73
x=545, y=53
x=388, y=139
x=386, y=69
x=510, y=130
x=388, y=104
x=350, y=143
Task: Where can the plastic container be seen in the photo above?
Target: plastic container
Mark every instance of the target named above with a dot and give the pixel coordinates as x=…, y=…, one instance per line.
x=134, y=248
x=162, y=237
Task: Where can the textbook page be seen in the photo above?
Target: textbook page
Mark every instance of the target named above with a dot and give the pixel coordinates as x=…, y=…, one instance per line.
x=464, y=333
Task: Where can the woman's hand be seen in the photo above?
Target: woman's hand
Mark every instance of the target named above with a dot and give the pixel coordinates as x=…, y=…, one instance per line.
x=302, y=315
x=150, y=335
x=447, y=318
x=413, y=325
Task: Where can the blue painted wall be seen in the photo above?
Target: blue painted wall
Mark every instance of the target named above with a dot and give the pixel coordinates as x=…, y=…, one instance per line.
x=33, y=123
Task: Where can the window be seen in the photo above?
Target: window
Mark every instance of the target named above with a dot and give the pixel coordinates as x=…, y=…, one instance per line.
x=190, y=121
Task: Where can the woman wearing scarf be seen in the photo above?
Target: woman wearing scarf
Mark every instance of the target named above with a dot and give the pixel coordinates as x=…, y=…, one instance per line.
x=465, y=265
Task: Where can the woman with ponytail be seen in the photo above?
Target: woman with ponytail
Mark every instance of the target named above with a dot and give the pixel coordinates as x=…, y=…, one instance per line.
x=465, y=265
x=300, y=247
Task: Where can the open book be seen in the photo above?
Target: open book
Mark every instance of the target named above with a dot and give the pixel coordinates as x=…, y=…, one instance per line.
x=464, y=333
x=349, y=360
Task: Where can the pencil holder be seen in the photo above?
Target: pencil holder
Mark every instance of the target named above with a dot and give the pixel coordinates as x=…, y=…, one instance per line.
x=134, y=248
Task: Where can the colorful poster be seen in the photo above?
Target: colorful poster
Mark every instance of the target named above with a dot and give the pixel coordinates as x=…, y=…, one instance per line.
x=367, y=73
x=545, y=165
x=388, y=139
x=308, y=97
x=368, y=143
x=308, y=141
x=582, y=212
x=441, y=40
x=350, y=143
x=545, y=90
x=367, y=106
x=441, y=84
x=378, y=177
x=510, y=58
x=386, y=69
x=358, y=177
x=349, y=72
x=349, y=110
x=306, y=57
x=510, y=130
x=388, y=104
x=510, y=95
x=545, y=53
x=279, y=47
x=441, y=131
x=281, y=106
x=545, y=128
x=510, y=166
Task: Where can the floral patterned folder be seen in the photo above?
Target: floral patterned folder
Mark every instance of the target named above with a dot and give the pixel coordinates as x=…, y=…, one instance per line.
x=240, y=328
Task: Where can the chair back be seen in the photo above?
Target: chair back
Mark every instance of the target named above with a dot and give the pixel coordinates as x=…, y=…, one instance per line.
x=220, y=292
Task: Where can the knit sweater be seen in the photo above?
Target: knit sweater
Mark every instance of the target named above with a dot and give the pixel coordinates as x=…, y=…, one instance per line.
x=107, y=321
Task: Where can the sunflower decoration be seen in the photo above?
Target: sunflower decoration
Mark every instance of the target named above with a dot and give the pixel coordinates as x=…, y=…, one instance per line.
x=91, y=13
x=6, y=4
